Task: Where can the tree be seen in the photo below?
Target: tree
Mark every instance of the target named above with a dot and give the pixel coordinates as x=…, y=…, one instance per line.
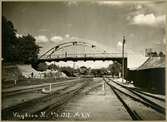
x=27, y=49
x=67, y=70
x=53, y=67
x=114, y=68
x=103, y=71
x=161, y=54
x=42, y=66
x=8, y=39
x=83, y=70
x=19, y=50
x=94, y=72
x=99, y=72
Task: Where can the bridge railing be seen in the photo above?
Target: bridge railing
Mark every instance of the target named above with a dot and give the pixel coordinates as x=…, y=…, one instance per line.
x=65, y=55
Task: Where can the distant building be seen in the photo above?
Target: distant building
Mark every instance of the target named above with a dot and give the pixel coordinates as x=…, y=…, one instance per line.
x=150, y=53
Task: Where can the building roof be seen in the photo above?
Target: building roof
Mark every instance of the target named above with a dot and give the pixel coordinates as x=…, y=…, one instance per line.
x=153, y=62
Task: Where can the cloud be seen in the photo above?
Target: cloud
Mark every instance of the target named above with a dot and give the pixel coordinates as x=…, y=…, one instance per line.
x=158, y=7
x=56, y=38
x=67, y=35
x=164, y=41
x=119, y=44
x=139, y=6
x=122, y=3
x=19, y=35
x=41, y=39
x=148, y=19
x=110, y=3
x=72, y=3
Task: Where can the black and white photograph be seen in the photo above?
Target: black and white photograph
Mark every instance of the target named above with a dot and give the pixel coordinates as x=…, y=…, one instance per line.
x=77, y=60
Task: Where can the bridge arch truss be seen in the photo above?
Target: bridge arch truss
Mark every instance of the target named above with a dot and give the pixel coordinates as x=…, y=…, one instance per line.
x=77, y=50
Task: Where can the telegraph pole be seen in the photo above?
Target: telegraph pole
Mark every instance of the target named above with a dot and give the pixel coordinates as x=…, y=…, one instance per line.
x=123, y=69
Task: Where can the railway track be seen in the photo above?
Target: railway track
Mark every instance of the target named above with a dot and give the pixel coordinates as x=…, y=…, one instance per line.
x=158, y=101
x=52, y=109
x=127, y=96
x=136, y=102
x=152, y=96
x=7, y=93
x=38, y=104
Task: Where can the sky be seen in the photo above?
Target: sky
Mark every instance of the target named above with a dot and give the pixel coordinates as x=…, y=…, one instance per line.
x=103, y=23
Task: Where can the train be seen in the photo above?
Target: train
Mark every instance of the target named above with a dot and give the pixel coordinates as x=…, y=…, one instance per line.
x=150, y=76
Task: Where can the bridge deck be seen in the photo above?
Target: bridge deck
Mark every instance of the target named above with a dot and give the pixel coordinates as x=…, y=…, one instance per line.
x=82, y=59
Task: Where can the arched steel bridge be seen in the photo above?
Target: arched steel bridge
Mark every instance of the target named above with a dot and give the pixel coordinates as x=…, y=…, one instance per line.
x=78, y=51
